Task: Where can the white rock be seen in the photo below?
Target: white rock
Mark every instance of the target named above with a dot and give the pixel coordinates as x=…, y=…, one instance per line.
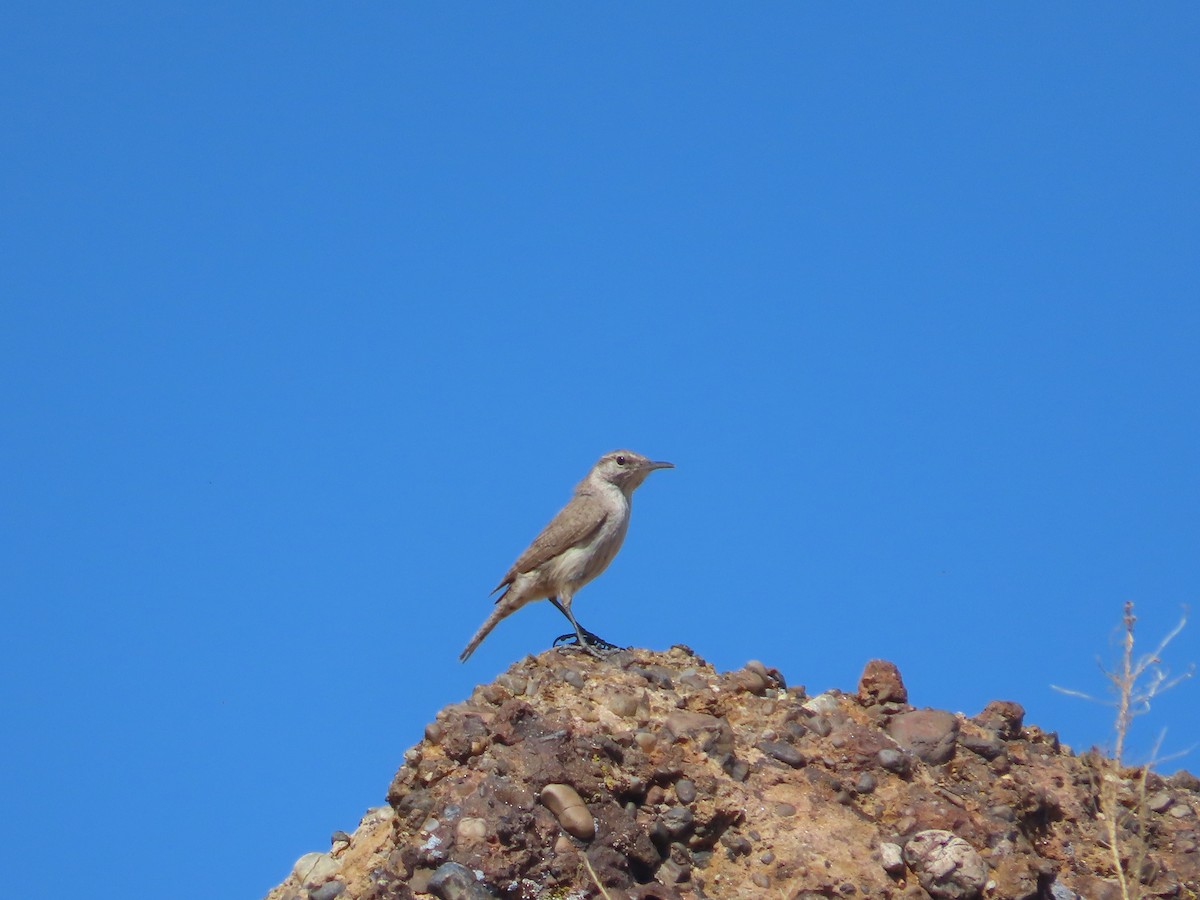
x=892, y=858
x=946, y=865
x=314, y=869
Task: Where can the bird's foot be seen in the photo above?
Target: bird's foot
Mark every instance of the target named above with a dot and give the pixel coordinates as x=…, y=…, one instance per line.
x=596, y=646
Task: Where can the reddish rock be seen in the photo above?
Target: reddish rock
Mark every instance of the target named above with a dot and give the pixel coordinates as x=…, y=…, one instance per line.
x=881, y=683
x=929, y=733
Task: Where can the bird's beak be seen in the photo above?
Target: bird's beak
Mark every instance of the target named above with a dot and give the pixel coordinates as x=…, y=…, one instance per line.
x=651, y=466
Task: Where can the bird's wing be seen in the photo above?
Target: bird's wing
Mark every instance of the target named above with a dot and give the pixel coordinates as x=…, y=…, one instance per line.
x=575, y=524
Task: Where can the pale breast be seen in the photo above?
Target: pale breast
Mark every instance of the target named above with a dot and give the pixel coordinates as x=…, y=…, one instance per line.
x=579, y=565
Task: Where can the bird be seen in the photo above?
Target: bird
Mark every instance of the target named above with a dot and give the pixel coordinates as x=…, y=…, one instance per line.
x=577, y=545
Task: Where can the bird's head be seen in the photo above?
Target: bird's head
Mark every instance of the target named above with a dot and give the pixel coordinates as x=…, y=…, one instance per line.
x=626, y=469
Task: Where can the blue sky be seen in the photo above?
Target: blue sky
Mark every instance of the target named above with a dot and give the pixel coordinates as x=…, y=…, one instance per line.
x=315, y=313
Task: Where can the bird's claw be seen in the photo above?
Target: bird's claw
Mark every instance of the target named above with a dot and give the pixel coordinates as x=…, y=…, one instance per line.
x=592, y=644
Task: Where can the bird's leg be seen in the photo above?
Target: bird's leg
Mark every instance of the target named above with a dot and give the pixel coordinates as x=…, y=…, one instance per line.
x=582, y=637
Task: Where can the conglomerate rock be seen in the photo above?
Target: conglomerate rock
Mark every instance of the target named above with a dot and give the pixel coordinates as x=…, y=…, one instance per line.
x=650, y=775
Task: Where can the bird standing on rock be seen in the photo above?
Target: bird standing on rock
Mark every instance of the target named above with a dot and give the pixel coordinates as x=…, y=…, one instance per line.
x=575, y=547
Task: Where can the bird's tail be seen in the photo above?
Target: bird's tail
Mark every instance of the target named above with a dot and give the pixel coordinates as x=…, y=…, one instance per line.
x=504, y=606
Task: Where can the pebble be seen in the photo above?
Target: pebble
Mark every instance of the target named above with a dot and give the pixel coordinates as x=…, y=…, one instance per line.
x=785, y=753
x=892, y=858
x=678, y=822
x=866, y=783
x=1180, y=811
x=1159, y=802
x=327, y=891
x=1059, y=891
x=644, y=739
x=784, y=809
x=820, y=725
x=987, y=746
x=471, y=828
x=568, y=807
x=454, y=881
x=795, y=730
x=674, y=872
x=516, y=684
x=822, y=703
x=760, y=880
x=737, y=769
x=736, y=844
x=685, y=790
x=749, y=681
x=622, y=704
x=574, y=678
x=767, y=858
x=946, y=865
x=894, y=760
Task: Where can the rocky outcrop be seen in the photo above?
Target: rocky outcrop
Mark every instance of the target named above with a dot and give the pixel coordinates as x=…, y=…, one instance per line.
x=650, y=775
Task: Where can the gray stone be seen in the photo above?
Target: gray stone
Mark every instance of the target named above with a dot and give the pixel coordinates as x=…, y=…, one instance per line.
x=785, y=753
x=327, y=891
x=454, y=881
x=866, y=783
x=894, y=760
x=678, y=822
x=821, y=726
x=989, y=746
x=685, y=790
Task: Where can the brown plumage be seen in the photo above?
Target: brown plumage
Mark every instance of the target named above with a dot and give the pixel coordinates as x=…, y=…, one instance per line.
x=576, y=546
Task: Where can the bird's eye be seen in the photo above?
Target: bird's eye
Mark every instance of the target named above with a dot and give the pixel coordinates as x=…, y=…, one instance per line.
x=620, y=460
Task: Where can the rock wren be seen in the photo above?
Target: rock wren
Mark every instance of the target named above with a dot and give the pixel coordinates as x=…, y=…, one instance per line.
x=576, y=546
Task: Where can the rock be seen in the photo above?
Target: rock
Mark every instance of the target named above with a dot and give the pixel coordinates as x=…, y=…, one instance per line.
x=1059, y=891
x=891, y=857
x=314, y=869
x=750, y=681
x=677, y=822
x=568, y=807
x=454, y=881
x=822, y=704
x=1159, y=801
x=988, y=746
x=471, y=828
x=785, y=753
x=712, y=734
x=693, y=791
x=894, y=760
x=821, y=726
x=685, y=790
x=929, y=733
x=328, y=891
x=1004, y=717
x=947, y=866
x=622, y=704
x=880, y=682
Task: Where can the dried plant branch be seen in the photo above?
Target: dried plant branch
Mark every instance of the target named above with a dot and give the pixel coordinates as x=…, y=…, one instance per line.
x=1135, y=683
